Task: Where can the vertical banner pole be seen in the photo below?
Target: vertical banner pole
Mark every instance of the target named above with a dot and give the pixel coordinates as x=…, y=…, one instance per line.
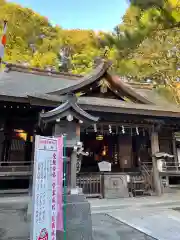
x=65, y=183
x=33, y=180
x=45, y=188
x=60, y=226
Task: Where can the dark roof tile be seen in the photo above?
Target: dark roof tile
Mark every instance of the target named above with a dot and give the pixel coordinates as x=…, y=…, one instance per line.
x=144, y=109
x=18, y=84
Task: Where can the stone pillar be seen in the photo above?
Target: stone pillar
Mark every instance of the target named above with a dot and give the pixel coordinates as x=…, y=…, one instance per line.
x=155, y=149
x=78, y=223
x=73, y=169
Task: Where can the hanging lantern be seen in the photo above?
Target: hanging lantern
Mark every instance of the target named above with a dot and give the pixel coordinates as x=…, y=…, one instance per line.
x=99, y=137
x=105, y=150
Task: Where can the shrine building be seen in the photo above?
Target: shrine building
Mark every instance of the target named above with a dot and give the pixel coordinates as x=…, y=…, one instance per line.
x=121, y=125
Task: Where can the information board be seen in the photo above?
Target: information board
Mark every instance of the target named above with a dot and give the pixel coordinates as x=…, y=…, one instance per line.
x=47, y=203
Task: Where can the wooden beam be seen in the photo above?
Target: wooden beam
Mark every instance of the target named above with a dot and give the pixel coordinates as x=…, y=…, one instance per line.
x=155, y=149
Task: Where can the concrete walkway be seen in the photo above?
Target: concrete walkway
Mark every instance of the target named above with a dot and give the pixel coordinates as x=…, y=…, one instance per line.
x=106, y=205
x=153, y=216
x=158, y=223
x=108, y=228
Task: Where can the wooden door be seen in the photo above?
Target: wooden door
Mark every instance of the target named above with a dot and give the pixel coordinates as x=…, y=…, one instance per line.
x=125, y=152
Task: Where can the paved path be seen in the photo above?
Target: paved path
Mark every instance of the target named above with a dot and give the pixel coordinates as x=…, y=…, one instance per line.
x=12, y=225
x=108, y=228
x=105, y=205
x=163, y=224
x=153, y=216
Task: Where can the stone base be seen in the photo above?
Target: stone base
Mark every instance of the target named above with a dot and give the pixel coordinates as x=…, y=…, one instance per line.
x=115, y=186
x=78, y=223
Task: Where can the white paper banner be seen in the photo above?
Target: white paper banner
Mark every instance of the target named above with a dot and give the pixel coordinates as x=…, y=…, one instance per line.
x=45, y=189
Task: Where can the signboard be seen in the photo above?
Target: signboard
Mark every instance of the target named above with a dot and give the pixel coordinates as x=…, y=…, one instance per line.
x=60, y=177
x=46, y=182
x=104, y=166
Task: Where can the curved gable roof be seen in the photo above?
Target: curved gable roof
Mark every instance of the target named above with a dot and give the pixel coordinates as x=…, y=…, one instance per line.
x=97, y=73
x=20, y=82
x=102, y=71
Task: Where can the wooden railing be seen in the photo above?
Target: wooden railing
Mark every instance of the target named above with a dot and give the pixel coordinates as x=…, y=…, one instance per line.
x=147, y=172
x=170, y=166
x=91, y=184
x=137, y=185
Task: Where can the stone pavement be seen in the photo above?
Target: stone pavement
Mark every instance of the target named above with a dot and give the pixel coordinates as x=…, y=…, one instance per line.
x=108, y=228
x=106, y=205
x=13, y=226
x=116, y=219
x=162, y=224
x=152, y=215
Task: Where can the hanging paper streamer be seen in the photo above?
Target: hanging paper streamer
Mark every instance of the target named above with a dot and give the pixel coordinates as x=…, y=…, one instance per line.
x=95, y=128
x=137, y=131
x=123, y=130
x=110, y=129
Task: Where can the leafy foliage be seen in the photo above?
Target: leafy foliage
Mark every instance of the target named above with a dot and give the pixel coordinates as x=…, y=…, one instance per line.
x=145, y=46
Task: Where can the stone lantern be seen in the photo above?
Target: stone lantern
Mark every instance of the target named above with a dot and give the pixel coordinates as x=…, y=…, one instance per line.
x=67, y=119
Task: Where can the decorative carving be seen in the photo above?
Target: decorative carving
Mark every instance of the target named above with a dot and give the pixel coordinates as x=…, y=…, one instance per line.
x=78, y=148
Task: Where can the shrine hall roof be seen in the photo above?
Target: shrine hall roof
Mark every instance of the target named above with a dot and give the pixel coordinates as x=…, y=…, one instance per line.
x=20, y=83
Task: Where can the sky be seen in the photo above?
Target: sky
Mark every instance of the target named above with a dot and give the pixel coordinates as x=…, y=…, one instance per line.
x=82, y=14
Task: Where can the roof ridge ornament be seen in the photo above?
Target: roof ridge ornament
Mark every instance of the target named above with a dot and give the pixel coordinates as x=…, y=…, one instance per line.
x=72, y=98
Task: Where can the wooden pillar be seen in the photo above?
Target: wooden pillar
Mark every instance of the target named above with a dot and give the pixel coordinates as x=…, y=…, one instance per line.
x=33, y=134
x=155, y=149
x=175, y=151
